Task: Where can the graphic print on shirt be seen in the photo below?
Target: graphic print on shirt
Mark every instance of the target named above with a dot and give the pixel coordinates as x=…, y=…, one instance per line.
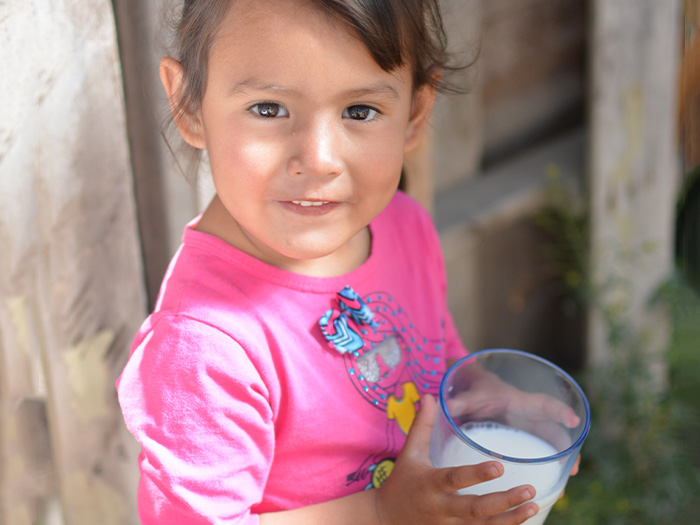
x=389, y=363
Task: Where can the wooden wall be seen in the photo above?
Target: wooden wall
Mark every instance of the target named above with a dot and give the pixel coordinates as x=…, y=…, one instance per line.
x=609, y=71
x=533, y=63
x=526, y=84
x=523, y=117
x=689, y=96
x=633, y=165
x=71, y=282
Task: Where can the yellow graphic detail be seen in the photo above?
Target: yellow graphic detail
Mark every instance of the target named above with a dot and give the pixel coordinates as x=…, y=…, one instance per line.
x=404, y=410
x=381, y=472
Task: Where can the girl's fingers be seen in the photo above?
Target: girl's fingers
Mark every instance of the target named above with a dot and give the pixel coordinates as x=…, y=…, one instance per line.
x=498, y=506
x=418, y=439
x=574, y=469
x=452, y=479
x=542, y=407
x=514, y=517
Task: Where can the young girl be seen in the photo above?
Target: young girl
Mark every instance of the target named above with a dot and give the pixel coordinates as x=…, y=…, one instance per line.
x=303, y=320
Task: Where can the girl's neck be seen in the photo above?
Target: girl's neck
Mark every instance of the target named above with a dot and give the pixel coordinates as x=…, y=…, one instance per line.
x=217, y=221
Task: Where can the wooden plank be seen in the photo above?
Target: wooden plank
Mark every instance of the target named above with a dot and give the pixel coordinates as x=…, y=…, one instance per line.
x=501, y=290
x=451, y=148
x=458, y=123
x=71, y=282
x=532, y=72
x=141, y=90
x=633, y=169
x=27, y=479
x=164, y=179
x=689, y=110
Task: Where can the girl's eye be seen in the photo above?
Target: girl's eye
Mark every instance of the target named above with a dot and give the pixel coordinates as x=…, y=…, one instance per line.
x=360, y=113
x=269, y=110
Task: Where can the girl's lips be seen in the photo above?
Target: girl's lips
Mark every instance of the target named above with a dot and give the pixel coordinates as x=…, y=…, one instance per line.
x=304, y=207
x=306, y=204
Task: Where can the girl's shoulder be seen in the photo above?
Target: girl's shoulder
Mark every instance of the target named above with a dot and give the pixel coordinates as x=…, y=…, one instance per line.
x=207, y=288
x=404, y=207
x=405, y=214
x=402, y=201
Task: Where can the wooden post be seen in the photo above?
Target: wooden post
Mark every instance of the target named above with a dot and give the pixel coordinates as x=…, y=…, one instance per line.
x=689, y=111
x=458, y=119
x=633, y=170
x=452, y=146
x=165, y=193
x=70, y=267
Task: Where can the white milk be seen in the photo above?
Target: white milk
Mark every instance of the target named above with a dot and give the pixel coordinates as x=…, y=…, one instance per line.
x=512, y=442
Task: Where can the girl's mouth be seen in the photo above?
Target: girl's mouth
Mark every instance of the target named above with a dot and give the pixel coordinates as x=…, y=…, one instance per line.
x=306, y=204
x=312, y=208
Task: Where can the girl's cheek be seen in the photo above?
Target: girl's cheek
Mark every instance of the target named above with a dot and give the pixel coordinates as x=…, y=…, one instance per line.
x=256, y=153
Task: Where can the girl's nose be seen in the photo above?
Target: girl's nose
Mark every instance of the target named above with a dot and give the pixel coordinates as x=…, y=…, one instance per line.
x=316, y=150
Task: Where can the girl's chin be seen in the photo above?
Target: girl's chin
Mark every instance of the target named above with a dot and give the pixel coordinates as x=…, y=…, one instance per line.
x=318, y=261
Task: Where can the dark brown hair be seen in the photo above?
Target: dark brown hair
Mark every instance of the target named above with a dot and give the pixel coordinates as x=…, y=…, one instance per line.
x=396, y=33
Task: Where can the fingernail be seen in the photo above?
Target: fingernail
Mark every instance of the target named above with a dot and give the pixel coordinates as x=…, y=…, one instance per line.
x=531, y=512
x=527, y=494
x=493, y=471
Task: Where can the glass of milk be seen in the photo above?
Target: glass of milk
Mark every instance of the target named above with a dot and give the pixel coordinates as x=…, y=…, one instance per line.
x=516, y=408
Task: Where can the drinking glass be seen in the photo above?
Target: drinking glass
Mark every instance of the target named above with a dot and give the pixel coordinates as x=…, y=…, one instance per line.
x=516, y=408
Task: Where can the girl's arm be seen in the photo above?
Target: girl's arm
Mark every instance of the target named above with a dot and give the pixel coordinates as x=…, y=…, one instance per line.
x=416, y=493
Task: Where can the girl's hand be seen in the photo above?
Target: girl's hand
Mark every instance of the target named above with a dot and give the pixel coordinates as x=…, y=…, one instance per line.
x=536, y=413
x=417, y=493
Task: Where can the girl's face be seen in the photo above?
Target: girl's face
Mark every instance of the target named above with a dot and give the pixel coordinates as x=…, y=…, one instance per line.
x=305, y=135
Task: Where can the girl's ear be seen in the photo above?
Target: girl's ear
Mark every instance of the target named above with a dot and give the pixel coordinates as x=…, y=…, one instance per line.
x=421, y=108
x=187, y=122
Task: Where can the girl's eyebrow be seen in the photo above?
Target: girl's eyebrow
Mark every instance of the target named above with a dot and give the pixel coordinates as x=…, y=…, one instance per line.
x=379, y=88
x=252, y=84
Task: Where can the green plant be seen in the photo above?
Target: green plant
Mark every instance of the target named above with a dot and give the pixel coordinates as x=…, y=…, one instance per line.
x=635, y=464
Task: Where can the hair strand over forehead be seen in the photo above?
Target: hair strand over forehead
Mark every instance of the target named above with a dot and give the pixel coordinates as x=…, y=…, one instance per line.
x=396, y=33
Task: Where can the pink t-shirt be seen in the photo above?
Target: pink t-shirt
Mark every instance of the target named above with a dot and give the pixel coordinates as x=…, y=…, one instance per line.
x=252, y=389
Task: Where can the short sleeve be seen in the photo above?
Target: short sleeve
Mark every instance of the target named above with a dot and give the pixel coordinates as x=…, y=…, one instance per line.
x=201, y=412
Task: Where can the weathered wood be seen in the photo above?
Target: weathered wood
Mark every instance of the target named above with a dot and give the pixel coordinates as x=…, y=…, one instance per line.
x=457, y=123
x=452, y=146
x=70, y=277
x=166, y=200
x=689, y=110
x=532, y=72
x=633, y=169
x=27, y=478
x=141, y=90
x=503, y=291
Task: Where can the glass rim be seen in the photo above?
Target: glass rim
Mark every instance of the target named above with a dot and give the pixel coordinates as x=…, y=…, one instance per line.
x=461, y=435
